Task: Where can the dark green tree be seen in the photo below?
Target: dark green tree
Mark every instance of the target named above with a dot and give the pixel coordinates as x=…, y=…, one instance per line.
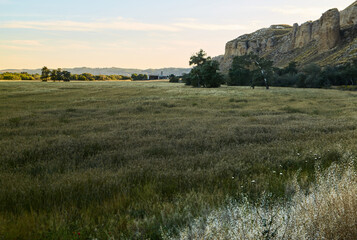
x=59, y=74
x=173, y=78
x=291, y=68
x=313, y=76
x=239, y=73
x=66, y=76
x=199, y=58
x=205, y=71
x=45, y=74
x=262, y=70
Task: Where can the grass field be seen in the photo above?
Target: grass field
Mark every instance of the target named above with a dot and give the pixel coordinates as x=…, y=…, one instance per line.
x=130, y=160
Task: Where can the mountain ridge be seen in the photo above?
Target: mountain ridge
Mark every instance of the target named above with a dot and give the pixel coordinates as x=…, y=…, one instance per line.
x=110, y=71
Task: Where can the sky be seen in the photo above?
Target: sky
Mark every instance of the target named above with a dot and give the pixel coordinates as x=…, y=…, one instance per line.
x=135, y=33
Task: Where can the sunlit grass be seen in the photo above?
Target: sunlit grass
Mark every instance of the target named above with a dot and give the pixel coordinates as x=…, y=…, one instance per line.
x=129, y=158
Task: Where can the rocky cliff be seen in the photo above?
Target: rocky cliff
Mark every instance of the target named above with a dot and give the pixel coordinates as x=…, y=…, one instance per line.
x=332, y=39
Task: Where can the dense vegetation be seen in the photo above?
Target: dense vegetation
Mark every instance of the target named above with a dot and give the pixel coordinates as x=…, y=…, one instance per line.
x=19, y=76
x=204, y=73
x=60, y=75
x=134, y=160
x=327, y=211
x=251, y=70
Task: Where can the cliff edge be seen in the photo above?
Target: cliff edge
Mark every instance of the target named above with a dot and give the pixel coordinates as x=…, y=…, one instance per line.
x=330, y=40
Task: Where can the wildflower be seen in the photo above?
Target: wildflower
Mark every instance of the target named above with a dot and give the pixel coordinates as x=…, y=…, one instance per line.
x=232, y=177
x=281, y=173
x=274, y=171
x=298, y=154
x=253, y=181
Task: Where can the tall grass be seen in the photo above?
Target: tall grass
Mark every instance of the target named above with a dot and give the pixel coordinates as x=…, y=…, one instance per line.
x=126, y=159
x=328, y=210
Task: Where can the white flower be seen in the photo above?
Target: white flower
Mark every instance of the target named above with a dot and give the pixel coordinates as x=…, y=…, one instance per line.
x=253, y=181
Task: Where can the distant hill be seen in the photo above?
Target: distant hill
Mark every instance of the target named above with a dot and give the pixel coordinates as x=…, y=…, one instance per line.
x=111, y=71
x=330, y=40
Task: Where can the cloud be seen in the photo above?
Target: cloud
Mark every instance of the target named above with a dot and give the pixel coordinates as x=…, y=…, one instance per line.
x=118, y=24
x=25, y=45
x=210, y=27
x=26, y=42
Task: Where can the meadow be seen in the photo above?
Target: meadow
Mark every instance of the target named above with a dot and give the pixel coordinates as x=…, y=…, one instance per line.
x=144, y=160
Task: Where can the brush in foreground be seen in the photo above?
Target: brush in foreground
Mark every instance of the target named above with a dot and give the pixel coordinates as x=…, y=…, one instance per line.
x=327, y=211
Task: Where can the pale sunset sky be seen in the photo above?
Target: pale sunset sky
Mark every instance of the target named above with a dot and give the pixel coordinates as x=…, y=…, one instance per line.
x=136, y=33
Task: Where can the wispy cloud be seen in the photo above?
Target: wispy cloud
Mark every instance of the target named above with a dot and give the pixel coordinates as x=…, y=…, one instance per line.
x=88, y=26
x=26, y=42
x=210, y=27
x=25, y=45
x=119, y=24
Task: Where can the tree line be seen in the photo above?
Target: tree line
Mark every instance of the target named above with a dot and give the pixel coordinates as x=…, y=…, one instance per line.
x=61, y=75
x=66, y=76
x=252, y=70
x=19, y=76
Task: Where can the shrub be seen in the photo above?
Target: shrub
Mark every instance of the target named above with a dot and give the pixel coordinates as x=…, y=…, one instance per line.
x=328, y=211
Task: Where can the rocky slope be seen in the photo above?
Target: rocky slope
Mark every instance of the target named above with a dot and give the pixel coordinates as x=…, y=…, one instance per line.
x=332, y=39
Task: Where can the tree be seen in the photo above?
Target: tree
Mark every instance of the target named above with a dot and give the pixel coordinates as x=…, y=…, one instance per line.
x=263, y=69
x=205, y=72
x=53, y=75
x=59, y=75
x=291, y=68
x=66, y=76
x=239, y=73
x=45, y=74
x=173, y=78
x=313, y=76
x=199, y=59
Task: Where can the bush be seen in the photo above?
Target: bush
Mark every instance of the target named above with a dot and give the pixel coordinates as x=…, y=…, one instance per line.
x=328, y=211
x=174, y=79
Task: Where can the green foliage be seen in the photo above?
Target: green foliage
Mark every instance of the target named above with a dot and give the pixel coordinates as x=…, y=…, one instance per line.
x=250, y=69
x=173, y=78
x=139, y=77
x=239, y=74
x=18, y=76
x=45, y=75
x=199, y=58
x=62, y=75
x=205, y=72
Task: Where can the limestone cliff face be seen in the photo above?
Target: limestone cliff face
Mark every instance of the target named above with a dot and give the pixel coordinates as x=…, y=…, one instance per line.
x=326, y=31
x=349, y=16
x=304, y=43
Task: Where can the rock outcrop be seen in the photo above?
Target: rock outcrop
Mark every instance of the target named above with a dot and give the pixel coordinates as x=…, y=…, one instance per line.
x=312, y=41
x=349, y=16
